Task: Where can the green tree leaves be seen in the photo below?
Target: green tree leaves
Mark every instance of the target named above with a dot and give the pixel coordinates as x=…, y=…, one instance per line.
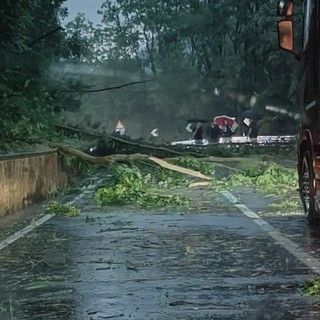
x=30, y=41
x=191, y=47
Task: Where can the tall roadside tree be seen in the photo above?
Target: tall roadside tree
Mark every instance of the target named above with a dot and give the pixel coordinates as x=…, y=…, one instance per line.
x=30, y=40
x=206, y=57
x=229, y=44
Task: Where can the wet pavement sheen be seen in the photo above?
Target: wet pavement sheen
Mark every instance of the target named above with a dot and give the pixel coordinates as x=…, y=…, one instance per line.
x=153, y=266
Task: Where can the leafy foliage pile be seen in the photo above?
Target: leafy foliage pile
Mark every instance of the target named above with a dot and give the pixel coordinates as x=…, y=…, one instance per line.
x=312, y=287
x=130, y=185
x=146, y=185
x=55, y=207
x=267, y=178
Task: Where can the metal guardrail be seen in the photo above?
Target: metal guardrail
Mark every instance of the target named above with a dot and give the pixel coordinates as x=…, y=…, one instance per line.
x=261, y=140
x=265, y=139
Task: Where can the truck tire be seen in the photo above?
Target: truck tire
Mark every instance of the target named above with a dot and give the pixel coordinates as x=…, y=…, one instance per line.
x=307, y=189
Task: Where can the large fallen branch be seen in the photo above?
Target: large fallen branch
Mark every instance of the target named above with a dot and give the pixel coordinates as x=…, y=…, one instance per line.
x=125, y=158
x=201, y=184
x=173, y=167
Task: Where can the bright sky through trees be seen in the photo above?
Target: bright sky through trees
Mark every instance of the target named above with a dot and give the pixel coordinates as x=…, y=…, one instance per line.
x=88, y=7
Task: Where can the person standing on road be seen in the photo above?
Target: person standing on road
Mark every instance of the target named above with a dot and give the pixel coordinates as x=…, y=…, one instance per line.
x=253, y=129
x=214, y=132
x=119, y=129
x=154, y=135
x=226, y=129
x=198, y=133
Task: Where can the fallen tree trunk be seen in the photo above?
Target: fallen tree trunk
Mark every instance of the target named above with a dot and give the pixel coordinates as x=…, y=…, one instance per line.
x=126, y=158
x=126, y=142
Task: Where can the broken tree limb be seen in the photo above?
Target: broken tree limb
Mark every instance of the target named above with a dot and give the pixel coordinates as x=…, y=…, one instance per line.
x=174, y=167
x=126, y=157
x=200, y=184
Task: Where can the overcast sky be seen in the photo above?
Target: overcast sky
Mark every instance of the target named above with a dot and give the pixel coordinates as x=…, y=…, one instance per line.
x=88, y=7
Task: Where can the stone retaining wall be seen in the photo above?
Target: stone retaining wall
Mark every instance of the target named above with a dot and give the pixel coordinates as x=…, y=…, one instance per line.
x=26, y=178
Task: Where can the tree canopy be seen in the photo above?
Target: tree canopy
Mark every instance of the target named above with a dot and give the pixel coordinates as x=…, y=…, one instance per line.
x=205, y=57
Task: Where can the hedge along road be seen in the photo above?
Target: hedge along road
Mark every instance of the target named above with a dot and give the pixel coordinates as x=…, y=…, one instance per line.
x=224, y=262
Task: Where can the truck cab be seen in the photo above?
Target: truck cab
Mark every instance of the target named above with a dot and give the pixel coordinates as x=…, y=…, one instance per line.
x=308, y=149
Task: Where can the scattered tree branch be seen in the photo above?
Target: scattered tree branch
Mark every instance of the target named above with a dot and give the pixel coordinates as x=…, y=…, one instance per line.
x=174, y=167
x=199, y=184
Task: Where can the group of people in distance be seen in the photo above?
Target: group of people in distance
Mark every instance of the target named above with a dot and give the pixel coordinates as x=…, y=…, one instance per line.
x=224, y=129
x=214, y=131
x=219, y=127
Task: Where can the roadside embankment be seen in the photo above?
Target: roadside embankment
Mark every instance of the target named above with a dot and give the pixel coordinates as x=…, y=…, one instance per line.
x=28, y=177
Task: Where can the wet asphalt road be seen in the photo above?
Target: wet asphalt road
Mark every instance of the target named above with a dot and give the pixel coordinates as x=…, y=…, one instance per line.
x=151, y=265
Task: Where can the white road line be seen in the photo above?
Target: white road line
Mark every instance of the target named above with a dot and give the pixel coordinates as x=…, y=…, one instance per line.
x=290, y=246
x=24, y=231
x=19, y=234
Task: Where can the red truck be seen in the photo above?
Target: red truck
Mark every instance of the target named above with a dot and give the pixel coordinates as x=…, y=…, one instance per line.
x=308, y=151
